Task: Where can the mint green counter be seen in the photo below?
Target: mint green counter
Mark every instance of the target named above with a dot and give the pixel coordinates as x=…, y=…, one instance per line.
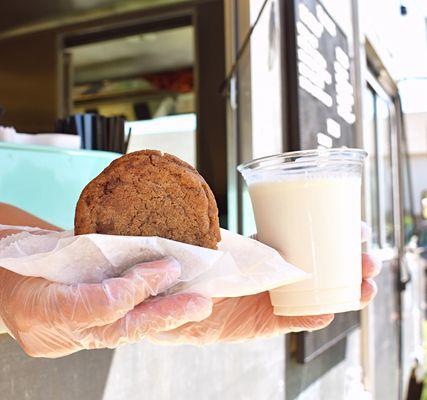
x=47, y=181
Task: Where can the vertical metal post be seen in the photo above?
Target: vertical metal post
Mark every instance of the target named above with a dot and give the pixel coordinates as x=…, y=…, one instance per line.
x=231, y=43
x=239, y=139
x=359, y=65
x=208, y=21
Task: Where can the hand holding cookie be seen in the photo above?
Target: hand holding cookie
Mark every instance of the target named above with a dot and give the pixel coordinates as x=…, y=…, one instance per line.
x=143, y=194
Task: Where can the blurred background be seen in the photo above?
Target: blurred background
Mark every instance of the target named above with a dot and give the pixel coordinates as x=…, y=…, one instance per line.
x=218, y=83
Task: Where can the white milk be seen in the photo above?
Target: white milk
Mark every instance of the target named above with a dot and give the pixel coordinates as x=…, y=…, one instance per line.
x=315, y=223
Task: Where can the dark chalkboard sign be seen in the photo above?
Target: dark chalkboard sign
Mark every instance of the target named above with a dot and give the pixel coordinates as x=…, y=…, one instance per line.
x=319, y=87
x=319, y=112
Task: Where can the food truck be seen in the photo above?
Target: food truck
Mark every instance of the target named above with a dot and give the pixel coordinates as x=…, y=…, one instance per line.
x=309, y=74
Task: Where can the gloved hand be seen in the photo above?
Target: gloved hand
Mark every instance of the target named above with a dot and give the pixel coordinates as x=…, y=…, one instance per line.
x=52, y=320
x=248, y=317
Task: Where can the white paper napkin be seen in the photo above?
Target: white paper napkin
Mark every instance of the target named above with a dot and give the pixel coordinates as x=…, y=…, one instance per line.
x=241, y=266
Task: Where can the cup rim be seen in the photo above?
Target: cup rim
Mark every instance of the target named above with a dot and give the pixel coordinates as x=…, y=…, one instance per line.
x=312, y=157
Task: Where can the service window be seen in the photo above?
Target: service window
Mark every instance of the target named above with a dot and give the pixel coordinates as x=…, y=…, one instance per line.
x=379, y=176
x=385, y=172
x=372, y=205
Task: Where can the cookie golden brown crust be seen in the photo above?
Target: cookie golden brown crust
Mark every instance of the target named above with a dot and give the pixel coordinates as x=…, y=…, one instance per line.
x=147, y=193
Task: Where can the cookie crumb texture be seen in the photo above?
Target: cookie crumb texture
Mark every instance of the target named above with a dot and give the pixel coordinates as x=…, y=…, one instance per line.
x=147, y=193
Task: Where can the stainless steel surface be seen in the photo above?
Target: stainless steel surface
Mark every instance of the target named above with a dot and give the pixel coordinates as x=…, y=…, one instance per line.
x=334, y=375
x=253, y=370
x=386, y=335
x=412, y=317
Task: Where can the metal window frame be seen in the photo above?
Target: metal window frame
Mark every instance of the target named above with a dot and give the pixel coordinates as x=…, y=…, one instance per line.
x=368, y=178
x=383, y=85
x=380, y=93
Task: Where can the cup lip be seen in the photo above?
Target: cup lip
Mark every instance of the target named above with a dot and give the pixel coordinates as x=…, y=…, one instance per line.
x=313, y=157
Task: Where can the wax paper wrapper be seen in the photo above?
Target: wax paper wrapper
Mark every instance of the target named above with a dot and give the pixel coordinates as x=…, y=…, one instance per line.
x=241, y=266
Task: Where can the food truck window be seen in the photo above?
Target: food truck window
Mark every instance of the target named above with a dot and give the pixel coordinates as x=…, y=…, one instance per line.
x=372, y=207
x=385, y=172
x=156, y=71
x=379, y=177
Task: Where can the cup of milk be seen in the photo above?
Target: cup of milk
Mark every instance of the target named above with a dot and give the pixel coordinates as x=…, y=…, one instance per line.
x=307, y=205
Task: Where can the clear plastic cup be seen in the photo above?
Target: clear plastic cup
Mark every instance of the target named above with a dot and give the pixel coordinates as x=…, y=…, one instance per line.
x=307, y=205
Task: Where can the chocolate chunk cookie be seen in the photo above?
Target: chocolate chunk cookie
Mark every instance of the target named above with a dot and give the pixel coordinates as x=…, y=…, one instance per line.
x=147, y=193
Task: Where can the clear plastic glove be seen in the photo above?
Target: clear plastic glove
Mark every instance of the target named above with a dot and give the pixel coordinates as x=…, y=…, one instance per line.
x=248, y=317
x=52, y=320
